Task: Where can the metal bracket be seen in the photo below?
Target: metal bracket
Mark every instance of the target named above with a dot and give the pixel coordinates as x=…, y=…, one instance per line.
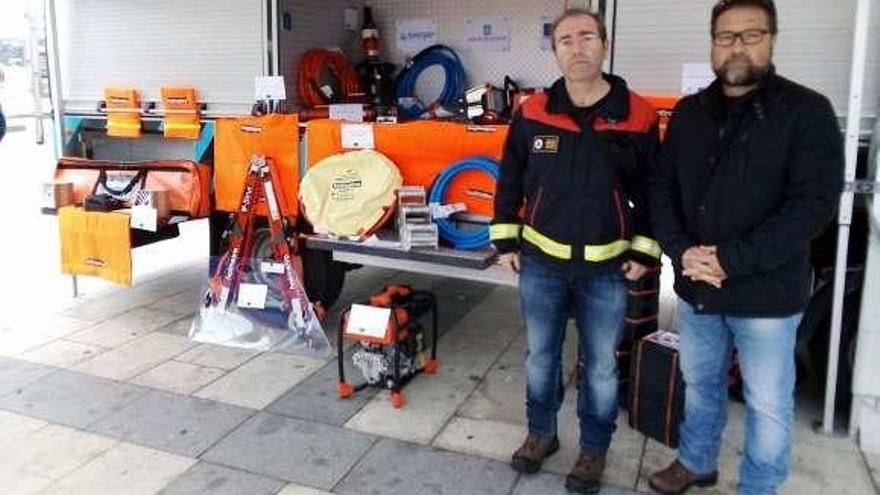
x=861, y=187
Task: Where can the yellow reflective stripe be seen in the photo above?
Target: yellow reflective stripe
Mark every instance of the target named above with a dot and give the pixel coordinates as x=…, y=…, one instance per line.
x=169, y=125
x=127, y=125
x=605, y=252
x=546, y=244
x=500, y=231
x=646, y=245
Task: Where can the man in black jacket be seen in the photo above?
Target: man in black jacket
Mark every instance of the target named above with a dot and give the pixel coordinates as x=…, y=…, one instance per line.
x=572, y=199
x=749, y=174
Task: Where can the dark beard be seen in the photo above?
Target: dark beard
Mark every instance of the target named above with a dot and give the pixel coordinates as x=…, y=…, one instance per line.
x=753, y=75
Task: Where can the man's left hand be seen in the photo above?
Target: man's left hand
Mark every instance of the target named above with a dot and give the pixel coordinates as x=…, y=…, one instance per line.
x=633, y=271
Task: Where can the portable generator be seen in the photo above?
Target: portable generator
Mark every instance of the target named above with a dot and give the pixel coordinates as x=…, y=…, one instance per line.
x=390, y=358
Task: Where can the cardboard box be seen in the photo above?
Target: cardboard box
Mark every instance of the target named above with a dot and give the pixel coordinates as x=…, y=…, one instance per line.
x=57, y=194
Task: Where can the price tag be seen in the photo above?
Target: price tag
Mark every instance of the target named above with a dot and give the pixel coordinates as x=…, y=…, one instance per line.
x=357, y=136
x=252, y=295
x=144, y=218
x=367, y=321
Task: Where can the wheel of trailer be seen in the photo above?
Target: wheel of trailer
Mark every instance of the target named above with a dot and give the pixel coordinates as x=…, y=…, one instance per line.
x=324, y=277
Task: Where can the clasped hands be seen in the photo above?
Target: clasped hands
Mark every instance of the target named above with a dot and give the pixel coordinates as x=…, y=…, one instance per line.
x=701, y=264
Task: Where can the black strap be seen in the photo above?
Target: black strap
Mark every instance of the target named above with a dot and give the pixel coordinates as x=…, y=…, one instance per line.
x=139, y=179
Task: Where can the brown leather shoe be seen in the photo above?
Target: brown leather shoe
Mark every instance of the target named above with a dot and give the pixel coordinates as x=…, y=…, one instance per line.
x=677, y=479
x=586, y=475
x=529, y=457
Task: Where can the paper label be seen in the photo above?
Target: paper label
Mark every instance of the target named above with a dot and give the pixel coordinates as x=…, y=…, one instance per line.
x=269, y=88
x=350, y=112
x=357, y=136
x=144, y=218
x=445, y=211
x=367, y=321
x=272, y=267
x=252, y=295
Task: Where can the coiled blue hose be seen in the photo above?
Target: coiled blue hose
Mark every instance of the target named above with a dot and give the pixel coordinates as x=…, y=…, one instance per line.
x=462, y=238
x=453, y=86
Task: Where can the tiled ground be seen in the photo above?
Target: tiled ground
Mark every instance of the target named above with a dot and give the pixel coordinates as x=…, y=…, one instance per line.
x=106, y=395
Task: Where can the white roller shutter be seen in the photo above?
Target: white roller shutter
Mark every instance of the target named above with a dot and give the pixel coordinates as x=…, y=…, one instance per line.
x=216, y=46
x=656, y=37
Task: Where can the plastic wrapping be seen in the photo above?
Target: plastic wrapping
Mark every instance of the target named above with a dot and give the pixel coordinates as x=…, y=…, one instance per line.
x=264, y=310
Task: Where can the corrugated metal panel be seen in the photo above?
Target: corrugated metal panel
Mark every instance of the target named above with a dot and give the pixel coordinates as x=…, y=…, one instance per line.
x=655, y=37
x=315, y=25
x=216, y=46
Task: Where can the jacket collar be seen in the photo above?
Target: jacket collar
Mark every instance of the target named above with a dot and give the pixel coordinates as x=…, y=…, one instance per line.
x=760, y=100
x=615, y=109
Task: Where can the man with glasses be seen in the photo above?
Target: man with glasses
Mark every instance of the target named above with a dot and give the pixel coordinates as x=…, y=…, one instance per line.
x=749, y=174
x=572, y=199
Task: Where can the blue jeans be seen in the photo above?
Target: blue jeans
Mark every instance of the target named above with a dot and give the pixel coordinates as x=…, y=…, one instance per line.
x=766, y=359
x=598, y=303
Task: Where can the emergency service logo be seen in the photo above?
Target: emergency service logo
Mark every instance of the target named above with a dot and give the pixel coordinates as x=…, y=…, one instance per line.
x=545, y=144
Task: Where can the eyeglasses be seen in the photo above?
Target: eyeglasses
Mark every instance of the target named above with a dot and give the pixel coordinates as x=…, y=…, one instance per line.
x=585, y=37
x=748, y=37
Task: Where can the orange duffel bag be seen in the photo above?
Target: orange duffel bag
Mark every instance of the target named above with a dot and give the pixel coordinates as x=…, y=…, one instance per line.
x=188, y=183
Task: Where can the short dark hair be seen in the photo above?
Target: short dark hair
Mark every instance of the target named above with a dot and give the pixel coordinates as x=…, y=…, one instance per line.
x=576, y=12
x=766, y=5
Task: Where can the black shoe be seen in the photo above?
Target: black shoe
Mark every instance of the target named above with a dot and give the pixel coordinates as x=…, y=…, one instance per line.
x=529, y=457
x=586, y=475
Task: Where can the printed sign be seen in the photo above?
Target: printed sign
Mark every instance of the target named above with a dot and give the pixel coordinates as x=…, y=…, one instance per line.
x=414, y=35
x=488, y=34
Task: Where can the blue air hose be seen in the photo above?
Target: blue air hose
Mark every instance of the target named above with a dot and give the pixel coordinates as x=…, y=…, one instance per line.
x=474, y=238
x=453, y=86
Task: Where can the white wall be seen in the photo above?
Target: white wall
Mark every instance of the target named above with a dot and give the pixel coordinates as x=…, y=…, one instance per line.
x=814, y=47
x=654, y=39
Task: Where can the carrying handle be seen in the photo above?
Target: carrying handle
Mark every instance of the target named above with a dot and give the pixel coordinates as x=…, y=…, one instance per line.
x=140, y=177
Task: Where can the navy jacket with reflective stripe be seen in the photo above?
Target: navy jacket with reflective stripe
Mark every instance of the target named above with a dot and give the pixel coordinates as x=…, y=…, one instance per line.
x=578, y=186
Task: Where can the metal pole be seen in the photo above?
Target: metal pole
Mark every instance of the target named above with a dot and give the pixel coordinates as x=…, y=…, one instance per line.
x=35, y=26
x=853, y=127
x=54, y=75
x=866, y=355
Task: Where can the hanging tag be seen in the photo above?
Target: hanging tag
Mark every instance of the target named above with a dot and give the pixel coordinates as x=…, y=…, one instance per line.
x=269, y=88
x=252, y=296
x=144, y=218
x=357, y=136
x=368, y=321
